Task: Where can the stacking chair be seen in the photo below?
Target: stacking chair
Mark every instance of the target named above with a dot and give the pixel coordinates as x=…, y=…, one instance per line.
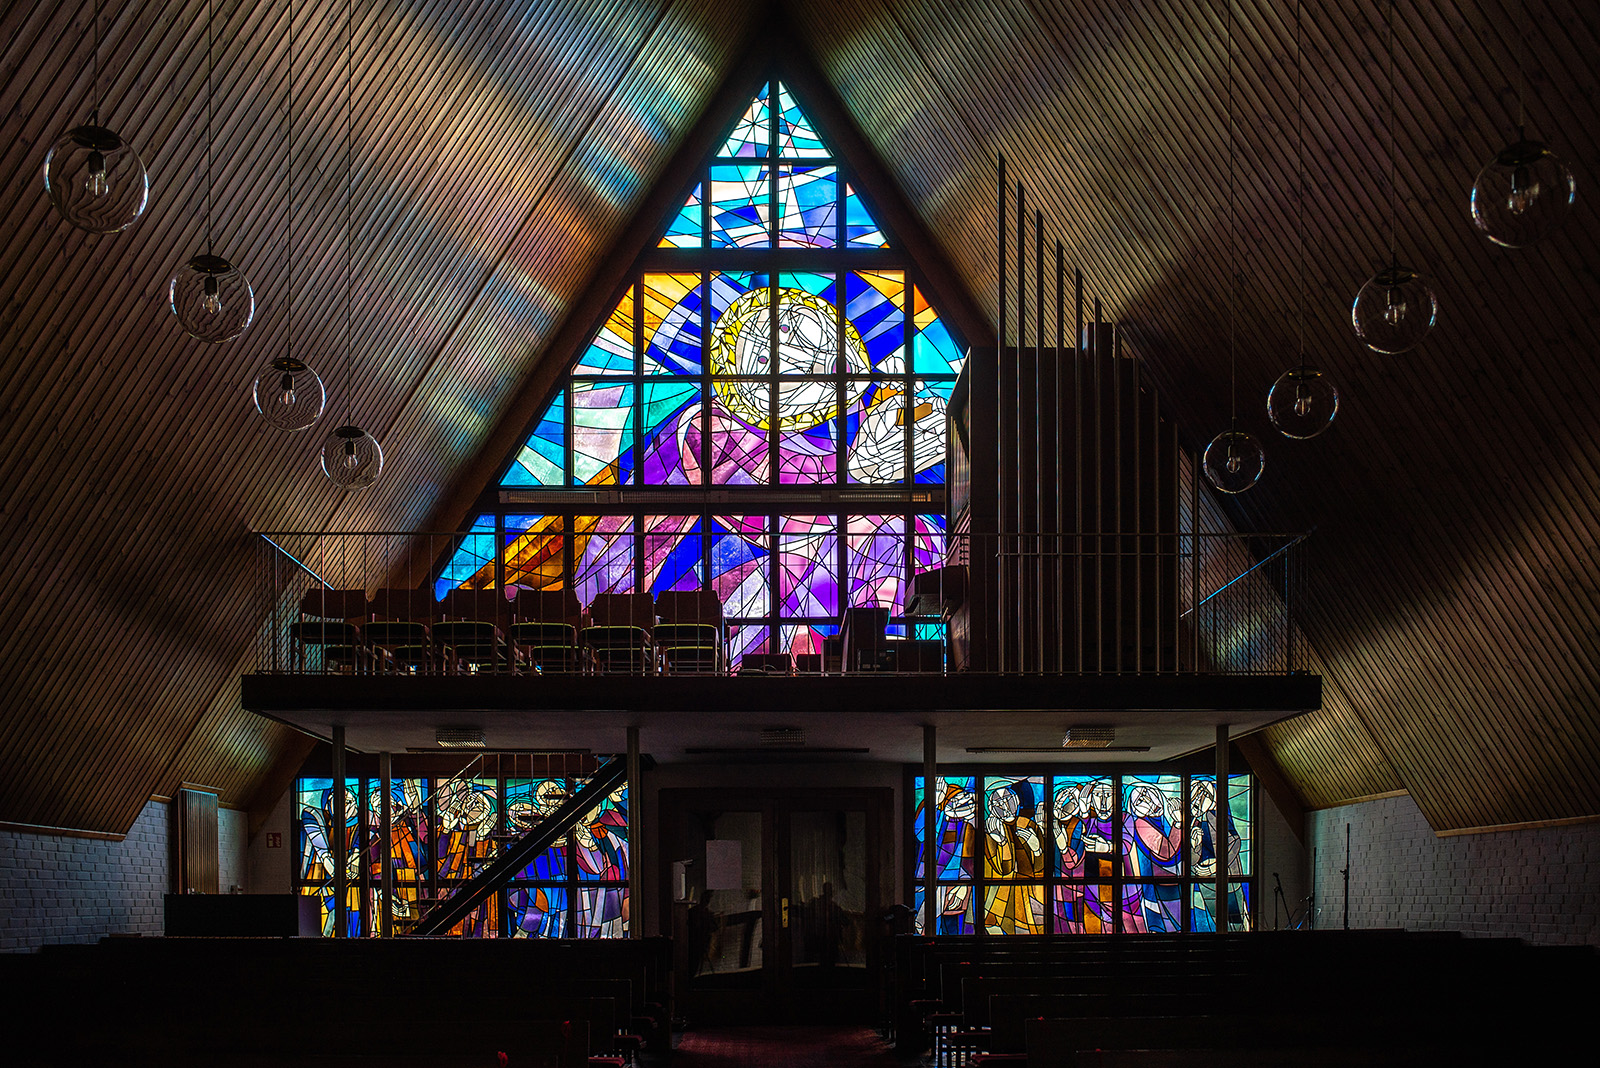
x=330, y=620
x=690, y=637
x=618, y=637
x=399, y=635
x=471, y=632
x=545, y=630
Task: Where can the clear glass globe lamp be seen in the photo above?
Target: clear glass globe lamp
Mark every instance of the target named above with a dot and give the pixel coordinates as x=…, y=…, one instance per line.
x=351, y=457
x=1522, y=194
x=289, y=394
x=1233, y=462
x=1302, y=403
x=1394, y=310
x=212, y=299
x=96, y=180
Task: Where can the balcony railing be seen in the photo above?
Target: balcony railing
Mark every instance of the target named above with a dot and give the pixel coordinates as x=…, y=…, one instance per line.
x=1090, y=603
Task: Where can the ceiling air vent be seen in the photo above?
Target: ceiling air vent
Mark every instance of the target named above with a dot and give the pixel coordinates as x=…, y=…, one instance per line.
x=1089, y=737
x=459, y=737
x=782, y=738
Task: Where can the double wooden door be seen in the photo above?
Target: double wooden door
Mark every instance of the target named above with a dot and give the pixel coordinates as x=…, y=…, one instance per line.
x=776, y=898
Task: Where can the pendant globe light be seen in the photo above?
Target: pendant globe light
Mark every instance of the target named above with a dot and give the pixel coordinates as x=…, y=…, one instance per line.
x=1395, y=308
x=1303, y=401
x=287, y=392
x=93, y=177
x=1526, y=190
x=1233, y=462
x=351, y=457
x=210, y=296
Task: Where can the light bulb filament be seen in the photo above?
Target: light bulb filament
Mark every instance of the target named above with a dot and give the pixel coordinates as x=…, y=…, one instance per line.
x=1234, y=463
x=1394, y=308
x=1524, y=191
x=286, y=383
x=213, y=299
x=351, y=460
x=1302, y=402
x=97, y=183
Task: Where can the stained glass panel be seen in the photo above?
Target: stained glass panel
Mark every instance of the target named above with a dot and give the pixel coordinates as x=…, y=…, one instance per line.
x=934, y=351
x=861, y=230
x=874, y=560
x=672, y=314
x=1152, y=825
x=1013, y=908
x=602, y=549
x=672, y=417
x=927, y=543
x=540, y=461
x=1084, y=827
x=741, y=206
x=471, y=567
x=1153, y=908
x=1202, y=907
x=752, y=134
x=875, y=306
x=672, y=559
x=797, y=639
x=467, y=811
x=684, y=231
x=796, y=136
x=741, y=554
x=877, y=452
x=1014, y=847
x=528, y=803
x=928, y=429
x=535, y=552
x=954, y=828
x=1240, y=823
x=808, y=578
x=808, y=207
x=408, y=829
x=537, y=911
x=602, y=433
x=1085, y=908
x=747, y=638
x=602, y=912
x=483, y=922
x=1202, y=824
x=602, y=840
x=957, y=910
x=611, y=351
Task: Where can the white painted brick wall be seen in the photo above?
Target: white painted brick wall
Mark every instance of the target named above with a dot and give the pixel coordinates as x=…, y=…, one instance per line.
x=1541, y=884
x=58, y=888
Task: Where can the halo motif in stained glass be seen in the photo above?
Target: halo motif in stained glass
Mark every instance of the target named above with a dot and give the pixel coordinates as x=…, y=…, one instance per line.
x=741, y=345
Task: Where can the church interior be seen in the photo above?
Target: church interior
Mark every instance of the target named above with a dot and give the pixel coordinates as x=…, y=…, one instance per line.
x=706, y=532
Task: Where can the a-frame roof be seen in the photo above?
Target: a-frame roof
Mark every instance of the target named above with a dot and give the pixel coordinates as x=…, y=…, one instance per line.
x=506, y=144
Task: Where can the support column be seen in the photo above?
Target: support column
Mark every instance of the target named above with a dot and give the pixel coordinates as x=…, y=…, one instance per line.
x=635, y=840
x=337, y=842
x=386, y=815
x=930, y=847
x=1219, y=833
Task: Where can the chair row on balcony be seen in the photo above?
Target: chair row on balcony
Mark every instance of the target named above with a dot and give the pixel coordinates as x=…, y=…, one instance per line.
x=534, y=630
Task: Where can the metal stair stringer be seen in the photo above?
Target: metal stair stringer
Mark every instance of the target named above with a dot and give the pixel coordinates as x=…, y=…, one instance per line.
x=499, y=871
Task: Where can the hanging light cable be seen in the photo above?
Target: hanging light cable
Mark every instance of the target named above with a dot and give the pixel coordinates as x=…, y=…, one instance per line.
x=351, y=457
x=1303, y=401
x=1233, y=462
x=93, y=177
x=288, y=393
x=1526, y=190
x=1394, y=309
x=210, y=296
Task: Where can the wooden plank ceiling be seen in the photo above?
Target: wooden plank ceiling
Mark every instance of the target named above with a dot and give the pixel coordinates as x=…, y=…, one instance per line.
x=502, y=146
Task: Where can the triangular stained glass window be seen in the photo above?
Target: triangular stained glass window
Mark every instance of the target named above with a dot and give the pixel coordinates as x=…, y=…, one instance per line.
x=773, y=336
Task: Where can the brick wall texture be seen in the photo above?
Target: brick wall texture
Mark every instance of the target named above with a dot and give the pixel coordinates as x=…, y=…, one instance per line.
x=1540, y=884
x=59, y=888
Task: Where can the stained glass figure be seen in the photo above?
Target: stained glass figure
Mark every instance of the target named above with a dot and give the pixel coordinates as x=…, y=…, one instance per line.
x=685, y=229
x=408, y=830
x=466, y=811
x=956, y=910
x=954, y=827
x=1012, y=908
x=1014, y=844
x=1202, y=829
x=472, y=565
x=314, y=798
x=1240, y=823
x=808, y=207
x=535, y=552
x=796, y=136
x=528, y=803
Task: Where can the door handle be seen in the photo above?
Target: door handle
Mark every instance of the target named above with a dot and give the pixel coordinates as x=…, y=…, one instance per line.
x=785, y=923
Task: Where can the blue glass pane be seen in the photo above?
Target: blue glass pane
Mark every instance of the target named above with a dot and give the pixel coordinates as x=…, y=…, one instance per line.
x=539, y=463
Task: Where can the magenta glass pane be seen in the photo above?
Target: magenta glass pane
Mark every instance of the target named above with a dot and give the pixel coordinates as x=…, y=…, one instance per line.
x=874, y=560
x=603, y=551
x=808, y=578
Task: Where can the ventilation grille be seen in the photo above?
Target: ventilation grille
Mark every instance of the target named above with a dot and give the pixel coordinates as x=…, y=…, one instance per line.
x=782, y=738
x=1089, y=737
x=459, y=737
